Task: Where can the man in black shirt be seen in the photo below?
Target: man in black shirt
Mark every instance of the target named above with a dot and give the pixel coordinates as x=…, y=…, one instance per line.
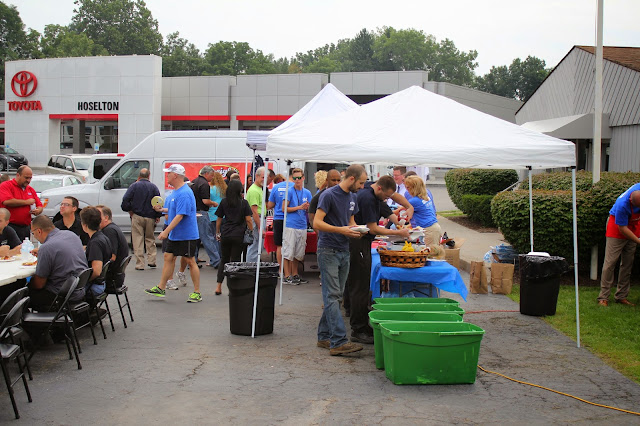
x=360, y=250
x=70, y=220
x=9, y=241
x=202, y=191
x=119, y=245
x=98, y=249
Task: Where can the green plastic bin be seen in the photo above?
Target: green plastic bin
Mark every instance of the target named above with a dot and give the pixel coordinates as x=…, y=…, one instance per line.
x=386, y=300
x=419, y=307
x=378, y=317
x=429, y=353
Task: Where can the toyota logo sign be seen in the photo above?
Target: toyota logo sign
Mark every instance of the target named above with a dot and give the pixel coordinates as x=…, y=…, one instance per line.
x=24, y=83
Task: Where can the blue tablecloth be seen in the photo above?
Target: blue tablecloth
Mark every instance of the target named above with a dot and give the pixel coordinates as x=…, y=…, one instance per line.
x=442, y=275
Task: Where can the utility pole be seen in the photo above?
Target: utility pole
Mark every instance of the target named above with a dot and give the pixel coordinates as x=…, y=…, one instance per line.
x=597, y=122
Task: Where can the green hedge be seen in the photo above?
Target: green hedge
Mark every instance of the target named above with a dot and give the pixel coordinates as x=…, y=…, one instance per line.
x=553, y=217
x=477, y=182
x=478, y=208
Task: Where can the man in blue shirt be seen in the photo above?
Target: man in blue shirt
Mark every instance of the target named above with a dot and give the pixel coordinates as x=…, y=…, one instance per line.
x=623, y=230
x=334, y=219
x=137, y=201
x=276, y=198
x=294, y=241
x=182, y=232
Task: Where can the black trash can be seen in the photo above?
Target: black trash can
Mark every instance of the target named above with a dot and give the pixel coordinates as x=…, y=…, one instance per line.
x=540, y=283
x=241, y=279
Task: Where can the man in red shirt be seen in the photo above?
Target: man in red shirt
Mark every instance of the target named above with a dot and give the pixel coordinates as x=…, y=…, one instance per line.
x=21, y=200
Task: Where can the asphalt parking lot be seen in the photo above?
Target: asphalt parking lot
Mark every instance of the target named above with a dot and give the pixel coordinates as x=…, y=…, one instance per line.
x=178, y=362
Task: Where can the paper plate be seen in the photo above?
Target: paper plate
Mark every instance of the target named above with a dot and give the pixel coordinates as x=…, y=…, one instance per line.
x=157, y=201
x=10, y=259
x=360, y=228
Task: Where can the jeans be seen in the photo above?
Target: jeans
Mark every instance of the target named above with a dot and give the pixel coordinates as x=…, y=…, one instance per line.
x=253, y=252
x=207, y=238
x=96, y=289
x=334, y=268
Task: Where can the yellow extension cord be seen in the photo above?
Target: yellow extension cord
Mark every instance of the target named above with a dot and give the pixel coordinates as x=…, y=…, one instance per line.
x=560, y=393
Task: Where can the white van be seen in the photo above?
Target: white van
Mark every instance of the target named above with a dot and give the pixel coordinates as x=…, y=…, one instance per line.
x=224, y=150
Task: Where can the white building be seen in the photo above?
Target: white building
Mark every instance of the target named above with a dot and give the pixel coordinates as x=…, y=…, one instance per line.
x=563, y=106
x=113, y=102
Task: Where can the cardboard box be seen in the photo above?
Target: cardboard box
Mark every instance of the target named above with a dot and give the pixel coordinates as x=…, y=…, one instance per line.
x=453, y=255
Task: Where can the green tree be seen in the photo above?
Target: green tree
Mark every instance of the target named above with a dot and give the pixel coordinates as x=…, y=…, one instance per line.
x=180, y=58
x=360, y=51
x=15, y=42
x=404, y=50
x=123, y=27
x=452, y=65
x=518, y=81
x=60, y=42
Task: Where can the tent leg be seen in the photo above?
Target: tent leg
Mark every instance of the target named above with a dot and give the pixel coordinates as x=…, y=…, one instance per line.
x=530, y=208
x=260, y=226
x=575, y=252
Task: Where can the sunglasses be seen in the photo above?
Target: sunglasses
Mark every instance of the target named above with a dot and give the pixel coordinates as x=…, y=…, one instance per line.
x=296, y=177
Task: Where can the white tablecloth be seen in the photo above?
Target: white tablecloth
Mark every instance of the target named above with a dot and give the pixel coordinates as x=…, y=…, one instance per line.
x=13, y=271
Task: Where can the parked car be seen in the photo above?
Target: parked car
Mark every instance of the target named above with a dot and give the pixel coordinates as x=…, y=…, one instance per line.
x=10, y=159
x=43, y=182
x=88, y=168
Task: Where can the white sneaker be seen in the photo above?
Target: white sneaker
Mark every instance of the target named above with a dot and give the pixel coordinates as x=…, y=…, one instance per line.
x=171, y=285
x=182, y=278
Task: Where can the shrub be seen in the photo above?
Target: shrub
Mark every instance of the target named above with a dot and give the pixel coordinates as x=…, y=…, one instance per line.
x=553, y=217
x=477, y=182
x=478, y=208
x=559, y=181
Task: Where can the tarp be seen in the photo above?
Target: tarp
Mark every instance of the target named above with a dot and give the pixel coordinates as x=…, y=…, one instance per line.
x=416, y=127
x=328, y=102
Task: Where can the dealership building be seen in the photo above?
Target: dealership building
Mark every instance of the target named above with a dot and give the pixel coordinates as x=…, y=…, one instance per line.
x=111, y=103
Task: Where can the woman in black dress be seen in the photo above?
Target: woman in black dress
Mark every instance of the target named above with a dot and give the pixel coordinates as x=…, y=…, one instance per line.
x=234, y=217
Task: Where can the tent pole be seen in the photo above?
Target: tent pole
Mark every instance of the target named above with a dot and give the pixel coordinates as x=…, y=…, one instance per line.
x=246, y=173
x=575, y=252
x=530, y=208
x=284, y=224
x=260, y=227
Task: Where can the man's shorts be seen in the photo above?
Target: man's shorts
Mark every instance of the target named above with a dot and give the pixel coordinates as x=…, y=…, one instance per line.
x=277, y=232
x=186, y=248
x=294, y=243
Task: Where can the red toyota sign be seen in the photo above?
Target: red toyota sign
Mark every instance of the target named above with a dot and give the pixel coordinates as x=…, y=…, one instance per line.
x=24, y=83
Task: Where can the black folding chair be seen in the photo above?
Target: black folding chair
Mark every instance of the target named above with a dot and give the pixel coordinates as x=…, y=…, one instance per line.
x=9, y=351
x=115, y=285
x=17, y=333
x=46, y=321
x=96, y=301
x=78, y=311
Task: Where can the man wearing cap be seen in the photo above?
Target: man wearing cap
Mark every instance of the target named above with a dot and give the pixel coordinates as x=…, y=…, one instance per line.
x=137, y=201
x=21, y=200
x=182, y=232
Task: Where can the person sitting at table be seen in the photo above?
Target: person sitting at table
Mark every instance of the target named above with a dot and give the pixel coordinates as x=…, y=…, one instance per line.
x=10, y=244
x=424, y=213
x=98, y=250
x=119, y=245
x=368, y=200
x=59, y=257
x=70, y=220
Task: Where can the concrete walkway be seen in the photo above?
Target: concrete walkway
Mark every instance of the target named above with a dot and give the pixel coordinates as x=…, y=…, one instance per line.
x=178, y=363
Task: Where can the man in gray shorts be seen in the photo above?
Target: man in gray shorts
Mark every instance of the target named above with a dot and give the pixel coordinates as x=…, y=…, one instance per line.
x=294, y=237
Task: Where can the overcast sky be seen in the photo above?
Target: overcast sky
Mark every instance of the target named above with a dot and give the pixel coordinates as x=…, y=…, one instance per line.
x=500, y=30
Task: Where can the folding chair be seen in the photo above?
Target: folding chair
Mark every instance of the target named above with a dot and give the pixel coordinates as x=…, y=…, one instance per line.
x=115, y=285
x=79, y=310
x=17, y=333
x=61, y=319
x=96, y=301
x=9, y=351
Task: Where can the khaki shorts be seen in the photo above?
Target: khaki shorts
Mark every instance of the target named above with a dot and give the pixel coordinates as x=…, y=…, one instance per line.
x=294, y=243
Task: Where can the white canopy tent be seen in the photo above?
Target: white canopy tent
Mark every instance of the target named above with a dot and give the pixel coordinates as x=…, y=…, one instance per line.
x=328, y=102
x=415, y=127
